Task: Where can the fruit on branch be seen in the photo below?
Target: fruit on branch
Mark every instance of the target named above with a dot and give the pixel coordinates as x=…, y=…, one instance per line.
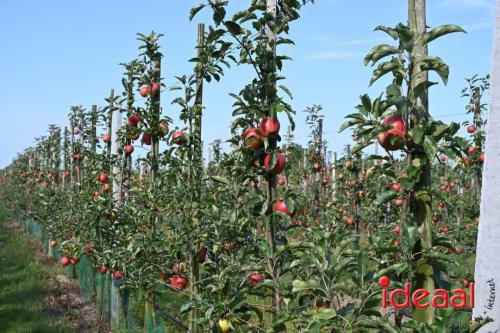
x=279, y=163
x=252, y=138
x=74, y=260
x=66, y=173
x=361, y=194
x=255, y=279
x=393, y=139
x=397, y=229
x=467, y=161
x=458, y=249
x=224, y=325
x=102, y=269
x=282, y=181
x=146, y=138
x=64, y=261
x=163, y=128
x=88, y=248
x=435, y=219
x=349, y=165
x=106, y=138
x=269, y=126
x=128, y=149
x=471, y=150
x=316, y=167
x=154, y=87
x=144, y=90
x=178, y=282
x=396, y=187
x=280, y=206
x=103, y=177
x=133, y=120
x=202, y=253
x=482, y=157
x=340, y=176
x=77, y=156
x=76, y=131
x=53, y=243
x=117, y=275
x=106, y=188
x=471, y=129
x=398, y=202
x=443, y=158
x=347, y=219
x=179, y=137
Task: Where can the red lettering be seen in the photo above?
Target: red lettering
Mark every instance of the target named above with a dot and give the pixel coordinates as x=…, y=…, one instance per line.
x=419, y=295
x=459, y=294
x=405, y=292
x=440, y=294
x=384, y=298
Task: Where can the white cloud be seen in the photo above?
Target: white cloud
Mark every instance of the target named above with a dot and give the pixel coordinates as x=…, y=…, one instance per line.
x=329, y=55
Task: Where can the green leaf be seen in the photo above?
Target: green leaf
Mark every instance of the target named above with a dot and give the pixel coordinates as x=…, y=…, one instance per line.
x=367, y=103
x=384, y=197
x=435, y=64
x=286, y=90
x=379, y=52
x=233, y=28
x=325, y=314
x=418, y=134
x=383, y=69
x=195, y=10
x=390, y=31
x=221, y=180
x=299, y=285
x=441, y=31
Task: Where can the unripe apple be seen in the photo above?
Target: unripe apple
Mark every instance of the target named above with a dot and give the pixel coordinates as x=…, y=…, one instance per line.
x=224, y=325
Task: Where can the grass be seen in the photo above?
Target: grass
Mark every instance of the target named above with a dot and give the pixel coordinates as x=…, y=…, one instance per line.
x=23, y=287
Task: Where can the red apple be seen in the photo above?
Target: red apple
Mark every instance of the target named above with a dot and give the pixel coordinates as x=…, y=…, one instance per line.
x=349, y=165
x=64, y=261
x=443, y=157
x=146, y=138
x=482, y=157
x=255, y=279
x=102, y=269
x=202, y=253
x=53, y=243
x=435, y=218
x=144, y=90
x=128, y=149
x=103, y=177
x=398, y=202
x=178, y=282
x=117, y=275
x=396, y=187
x=179, y=138
x=163, y=128
x=269, y=126
x=106, y=188
x=252, y=138
x=280, y=206
x=471, y=129
x=154, y=87
x=76, y=131
x=471, y=150
x=278, y=167
x=106, y=138
x=74, y=260
x=340, y=176
x=134, y=120
x=393, y=139
x=282, y=181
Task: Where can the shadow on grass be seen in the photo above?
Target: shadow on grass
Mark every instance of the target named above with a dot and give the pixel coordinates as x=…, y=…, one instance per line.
x=23, y=288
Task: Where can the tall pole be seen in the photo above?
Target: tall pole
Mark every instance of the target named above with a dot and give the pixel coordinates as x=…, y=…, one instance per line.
x=420, y=208
x=487, y=273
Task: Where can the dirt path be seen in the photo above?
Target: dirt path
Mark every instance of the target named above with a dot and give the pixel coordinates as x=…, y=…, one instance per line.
x=35, y=295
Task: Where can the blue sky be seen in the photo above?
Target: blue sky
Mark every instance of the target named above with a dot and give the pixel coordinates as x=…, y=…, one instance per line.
x=57, y=53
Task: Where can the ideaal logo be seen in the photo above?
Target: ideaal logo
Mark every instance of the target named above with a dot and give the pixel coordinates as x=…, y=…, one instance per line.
x=440, y=299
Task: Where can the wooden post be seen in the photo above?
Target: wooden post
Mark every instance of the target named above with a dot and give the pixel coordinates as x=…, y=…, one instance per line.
x=487, y=273
x=421, y=210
